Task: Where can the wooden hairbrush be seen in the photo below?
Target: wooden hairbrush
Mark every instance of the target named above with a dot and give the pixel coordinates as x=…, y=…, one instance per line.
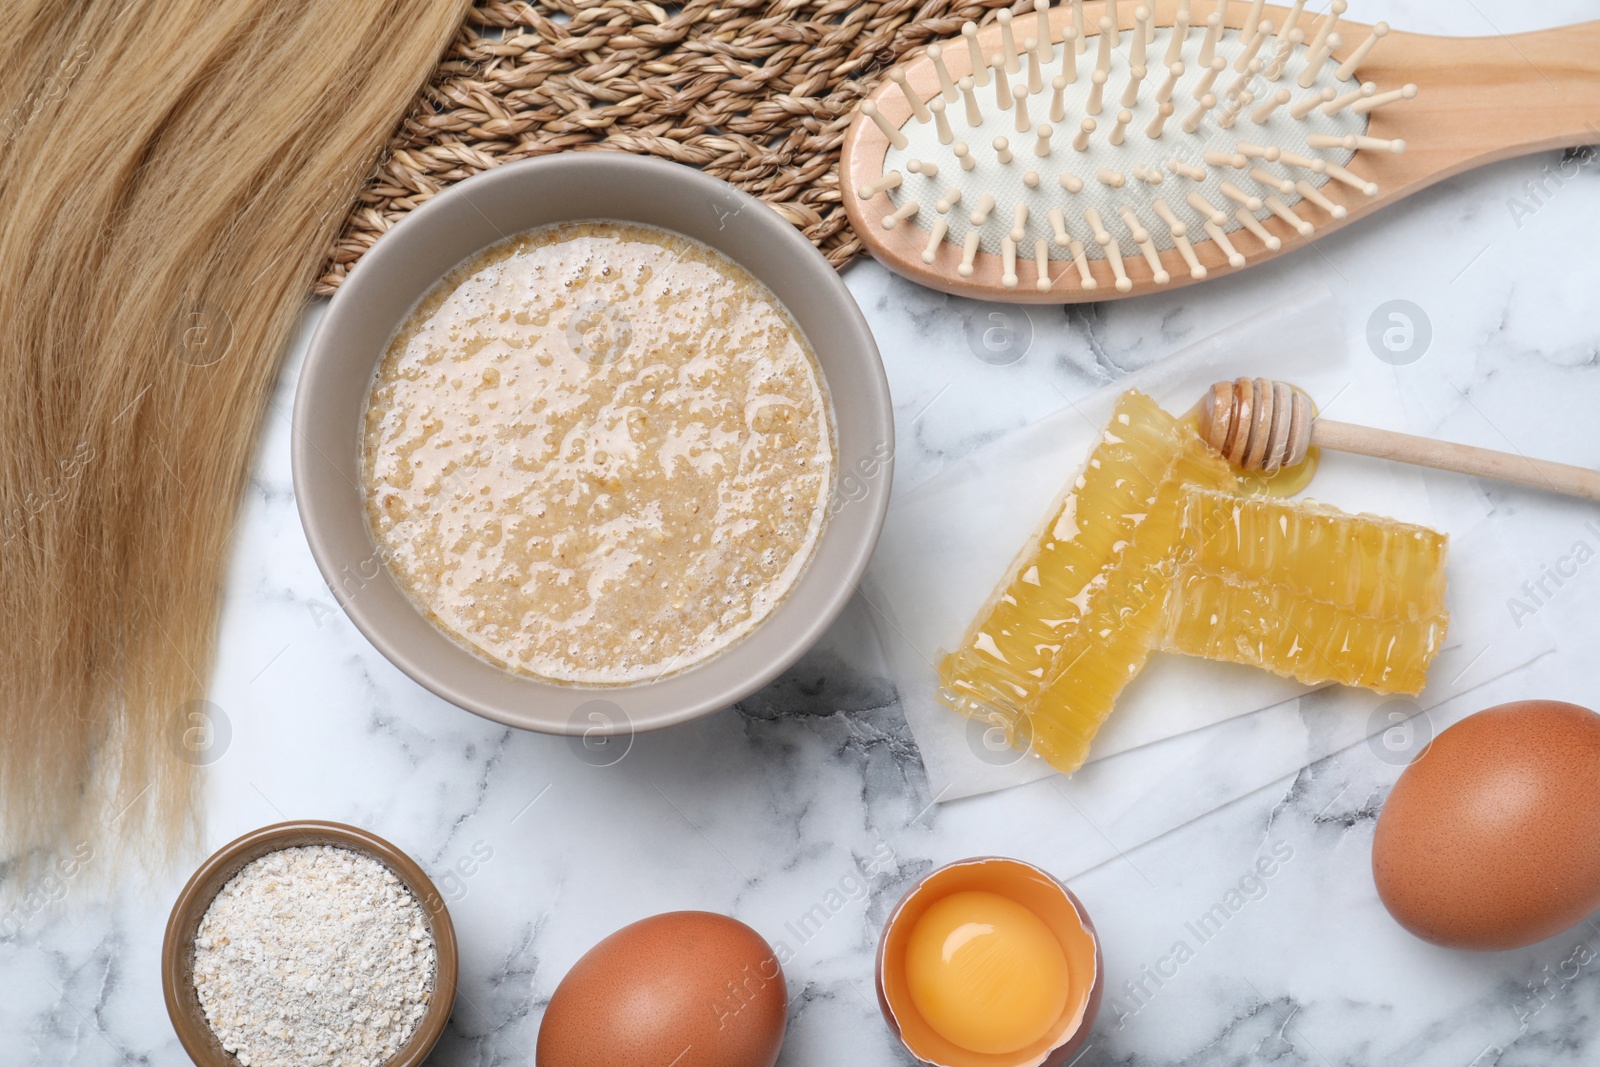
x=1267, y=426
x=1097, y=150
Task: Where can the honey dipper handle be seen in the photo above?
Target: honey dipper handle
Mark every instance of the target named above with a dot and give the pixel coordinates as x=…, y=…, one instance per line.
x=1465, y=459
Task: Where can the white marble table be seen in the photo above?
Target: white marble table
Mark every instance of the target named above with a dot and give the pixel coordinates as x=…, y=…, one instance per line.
x=805, y=811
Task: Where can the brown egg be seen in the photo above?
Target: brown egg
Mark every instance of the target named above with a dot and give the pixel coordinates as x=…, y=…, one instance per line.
x=1491, y=838
x=688, y=988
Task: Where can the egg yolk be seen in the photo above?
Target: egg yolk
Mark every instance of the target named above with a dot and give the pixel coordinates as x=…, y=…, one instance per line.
x=986, y=973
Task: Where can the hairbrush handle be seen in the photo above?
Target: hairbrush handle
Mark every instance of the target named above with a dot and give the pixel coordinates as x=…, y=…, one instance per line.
x=1489, y=98
x=1450, y=456
x=1262, y=425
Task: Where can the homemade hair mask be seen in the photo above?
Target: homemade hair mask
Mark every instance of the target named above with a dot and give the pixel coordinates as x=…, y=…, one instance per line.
x=598, y=453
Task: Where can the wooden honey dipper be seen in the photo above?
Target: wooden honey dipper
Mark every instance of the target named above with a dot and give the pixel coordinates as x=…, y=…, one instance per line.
x=1262, y=425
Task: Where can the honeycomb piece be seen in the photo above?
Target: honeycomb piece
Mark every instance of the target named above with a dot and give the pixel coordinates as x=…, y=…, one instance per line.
x=1307, y=591
x=1078, y=613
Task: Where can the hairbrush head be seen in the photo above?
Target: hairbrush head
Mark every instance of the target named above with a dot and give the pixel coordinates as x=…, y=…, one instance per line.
x=1192, y=164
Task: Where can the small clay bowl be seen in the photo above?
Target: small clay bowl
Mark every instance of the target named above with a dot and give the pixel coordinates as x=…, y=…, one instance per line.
x=1040, y=892
x=177, y=950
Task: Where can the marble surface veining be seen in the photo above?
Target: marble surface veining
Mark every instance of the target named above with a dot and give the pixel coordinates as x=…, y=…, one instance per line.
x=804, y=811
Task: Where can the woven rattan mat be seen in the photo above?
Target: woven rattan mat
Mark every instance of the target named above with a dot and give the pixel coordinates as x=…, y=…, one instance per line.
x=756, y=93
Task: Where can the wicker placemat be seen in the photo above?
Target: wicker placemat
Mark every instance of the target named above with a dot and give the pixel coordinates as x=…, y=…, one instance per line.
x=756, y=93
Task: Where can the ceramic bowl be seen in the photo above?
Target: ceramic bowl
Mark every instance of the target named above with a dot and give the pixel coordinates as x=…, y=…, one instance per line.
x=177, y=948
x=455, y=225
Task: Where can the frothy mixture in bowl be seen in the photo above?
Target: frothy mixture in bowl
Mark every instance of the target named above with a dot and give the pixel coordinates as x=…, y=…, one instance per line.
x=598, y=453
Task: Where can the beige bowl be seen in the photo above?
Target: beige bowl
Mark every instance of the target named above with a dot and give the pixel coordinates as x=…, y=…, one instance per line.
x=458, y=223
x=177, y=948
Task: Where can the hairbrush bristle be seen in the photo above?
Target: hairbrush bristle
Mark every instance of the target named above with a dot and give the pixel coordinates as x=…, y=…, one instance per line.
x=1148, y=139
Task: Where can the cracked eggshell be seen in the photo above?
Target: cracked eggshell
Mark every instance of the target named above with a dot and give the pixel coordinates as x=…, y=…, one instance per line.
x=1046, y=897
